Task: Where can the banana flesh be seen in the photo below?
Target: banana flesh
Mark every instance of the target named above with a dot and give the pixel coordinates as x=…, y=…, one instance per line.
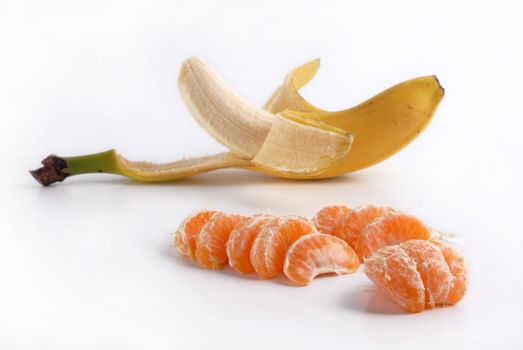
x=224, y=114
x=296, y=146
x=288, y=138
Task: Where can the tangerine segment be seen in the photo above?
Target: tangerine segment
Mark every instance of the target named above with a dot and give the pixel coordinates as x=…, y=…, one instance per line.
x=181, y=246
x=241, y=240
x=440, y=268
x=395, y=272
x=458, y=269
x=433, y=269
x=318, y=253
x=211, y=248
x=330, y=219
x=188, y=231
x=269, y=248
x=356, y=221
x=390, y=230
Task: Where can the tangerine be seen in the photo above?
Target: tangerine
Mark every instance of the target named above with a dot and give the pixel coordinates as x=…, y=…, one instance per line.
x=357, y=219
x=417, y=275
x=187, y=233
x=269, y=248
x=241, y=239
x=330, y=219
x=211, y=248
x=318, y=253
x=390, y=230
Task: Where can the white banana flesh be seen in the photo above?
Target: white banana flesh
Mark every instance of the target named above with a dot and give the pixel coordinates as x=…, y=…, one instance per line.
x=285, y=142
x=230, y=119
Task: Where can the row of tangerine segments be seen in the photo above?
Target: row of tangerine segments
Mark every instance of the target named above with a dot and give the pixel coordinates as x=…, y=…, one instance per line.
x=264, y=244
x=267, y=245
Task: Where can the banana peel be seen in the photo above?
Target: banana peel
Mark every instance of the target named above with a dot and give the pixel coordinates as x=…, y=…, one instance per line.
x=382, y=125
x=288, y=138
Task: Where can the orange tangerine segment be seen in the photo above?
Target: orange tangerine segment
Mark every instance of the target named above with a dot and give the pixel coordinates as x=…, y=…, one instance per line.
x=187, y=233
x=357, y=219
x=181, y=246
x=393, y=271
x=318, y=253
x=330, y=219
x=269, y=248
x=459, y=271
x=390, y=230
x=211, y=248
x=441, y=270
x=433, y=269
x=241, y=239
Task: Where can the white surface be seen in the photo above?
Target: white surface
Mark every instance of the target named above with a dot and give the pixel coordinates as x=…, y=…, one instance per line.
x=86, y=264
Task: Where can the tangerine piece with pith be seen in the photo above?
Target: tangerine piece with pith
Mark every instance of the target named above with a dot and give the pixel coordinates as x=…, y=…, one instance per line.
x=417, y=274
x=187, y=233
x=211, y=248
x=330, y=219
x=271, y=244
x=390, y=230
x=318, y=253
x=241, y=239
x=357, y=219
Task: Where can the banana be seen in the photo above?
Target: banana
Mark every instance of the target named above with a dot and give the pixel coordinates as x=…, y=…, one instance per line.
x=281, y=142
x=288, y=138
x=381, y=126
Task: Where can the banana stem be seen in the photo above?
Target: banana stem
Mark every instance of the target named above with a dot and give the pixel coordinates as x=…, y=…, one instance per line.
x=56, y=169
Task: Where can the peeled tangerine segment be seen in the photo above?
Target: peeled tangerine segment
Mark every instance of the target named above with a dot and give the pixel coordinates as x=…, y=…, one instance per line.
x=357, y=220
x=458, y=268
x=390, y=230
x=297, y=145
x=317, y=253
x=270, y=246
x=419, y=274
x=186, y=235
x=241, y=240
x=330, y=219
x=211, y=248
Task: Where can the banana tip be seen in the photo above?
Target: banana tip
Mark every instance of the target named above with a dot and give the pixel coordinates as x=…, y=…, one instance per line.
x=442, y=89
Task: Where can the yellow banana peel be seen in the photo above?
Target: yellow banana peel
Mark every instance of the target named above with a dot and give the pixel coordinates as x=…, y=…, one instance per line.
x=381, y=126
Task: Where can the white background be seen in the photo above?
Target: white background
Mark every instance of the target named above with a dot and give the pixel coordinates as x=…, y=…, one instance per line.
x=86, y=264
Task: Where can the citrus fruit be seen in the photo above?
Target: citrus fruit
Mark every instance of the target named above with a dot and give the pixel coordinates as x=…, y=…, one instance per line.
x=357, y=219
x=390, y=230
x=211, y=250
x=269, y=248
x=459, y=271
x=433, y=269
x=187, y=233
x=416, y=274
x=330, y=219
x=318, y=253
x=241, y=240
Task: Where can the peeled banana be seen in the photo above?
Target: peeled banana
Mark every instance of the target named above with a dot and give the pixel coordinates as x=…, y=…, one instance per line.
x=288, y=138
